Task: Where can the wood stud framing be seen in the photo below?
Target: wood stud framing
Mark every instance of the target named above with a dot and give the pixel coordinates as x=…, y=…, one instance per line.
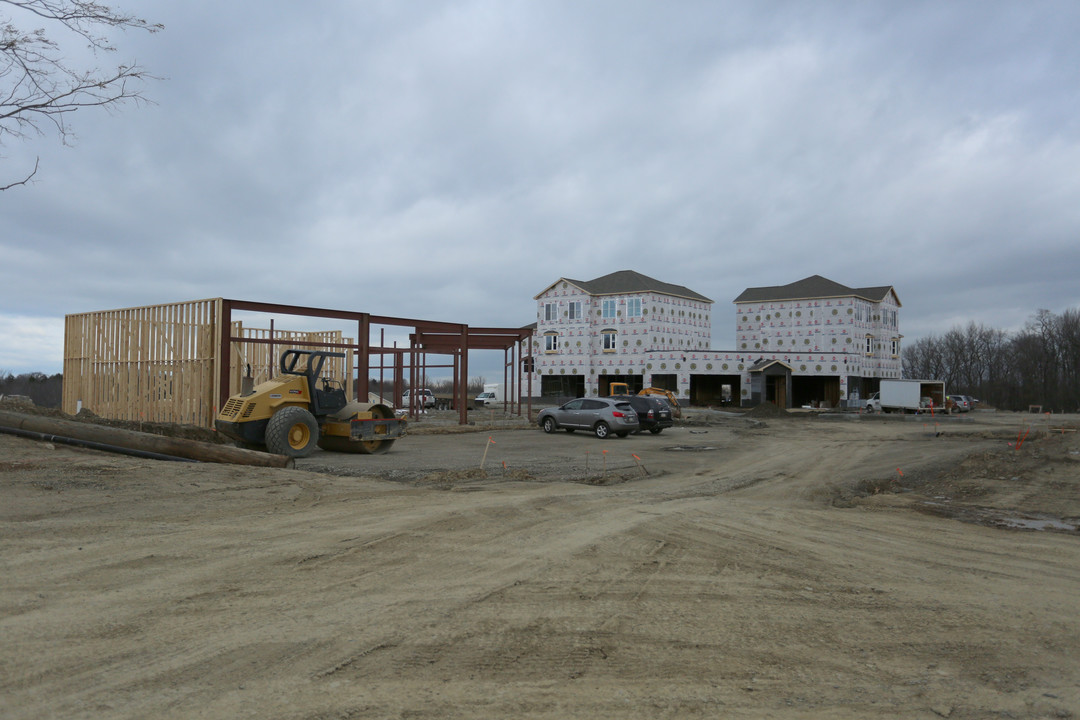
x=151, y=364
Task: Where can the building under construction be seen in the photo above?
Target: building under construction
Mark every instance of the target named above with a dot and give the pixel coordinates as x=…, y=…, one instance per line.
x=179, y=362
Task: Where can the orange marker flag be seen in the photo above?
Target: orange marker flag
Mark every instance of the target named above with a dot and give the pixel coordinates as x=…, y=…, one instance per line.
x=1023, y=439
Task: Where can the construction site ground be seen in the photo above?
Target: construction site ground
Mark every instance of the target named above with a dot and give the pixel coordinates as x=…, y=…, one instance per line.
x=737, y=566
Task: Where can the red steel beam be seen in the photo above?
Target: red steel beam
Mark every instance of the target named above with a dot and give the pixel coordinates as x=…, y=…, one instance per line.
x=429, y=336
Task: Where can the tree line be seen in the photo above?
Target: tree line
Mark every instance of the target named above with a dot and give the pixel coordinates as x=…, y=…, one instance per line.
x=44, y=390
x=1036, y=365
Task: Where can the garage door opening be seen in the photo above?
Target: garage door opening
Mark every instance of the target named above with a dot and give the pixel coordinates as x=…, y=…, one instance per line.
x=815, y=391
x=666, y=381
x=561, y=388
x=715, y=389
x=603, y=383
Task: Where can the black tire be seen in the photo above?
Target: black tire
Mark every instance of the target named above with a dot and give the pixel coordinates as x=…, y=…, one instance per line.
x=549, y=425
x=292, y=432
x=656, y=431
x=602, y=430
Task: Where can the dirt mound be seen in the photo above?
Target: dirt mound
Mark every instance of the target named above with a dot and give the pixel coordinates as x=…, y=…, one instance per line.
x=23, y=404
x=1031, y=487
x=766, y=409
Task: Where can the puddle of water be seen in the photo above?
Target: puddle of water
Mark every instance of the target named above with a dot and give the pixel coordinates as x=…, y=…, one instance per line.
x=995, y=518
x=690, y=448
x=1038, y=524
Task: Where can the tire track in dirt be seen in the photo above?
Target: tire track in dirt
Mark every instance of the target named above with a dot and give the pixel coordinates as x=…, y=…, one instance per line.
x=728, y=585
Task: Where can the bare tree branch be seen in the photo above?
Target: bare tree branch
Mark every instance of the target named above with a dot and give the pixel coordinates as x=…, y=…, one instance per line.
x=25, y=180
x=38, y=89
x=82, y=17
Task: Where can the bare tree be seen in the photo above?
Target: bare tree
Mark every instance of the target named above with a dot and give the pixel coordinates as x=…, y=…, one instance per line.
x=1069, y=336
x=1037, y=365
x=38, y=89
x=924, y=358
x=991, y=346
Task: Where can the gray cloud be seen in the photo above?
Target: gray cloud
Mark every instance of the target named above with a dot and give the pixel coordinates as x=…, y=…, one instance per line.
x=450, y=160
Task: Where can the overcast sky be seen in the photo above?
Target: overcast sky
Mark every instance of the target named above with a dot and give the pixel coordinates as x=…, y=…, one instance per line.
x=448, y=161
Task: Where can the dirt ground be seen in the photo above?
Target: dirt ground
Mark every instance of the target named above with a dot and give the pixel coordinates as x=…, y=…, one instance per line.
x=741, y=567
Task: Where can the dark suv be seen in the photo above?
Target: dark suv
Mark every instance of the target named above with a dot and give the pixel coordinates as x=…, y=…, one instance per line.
x=654, y=414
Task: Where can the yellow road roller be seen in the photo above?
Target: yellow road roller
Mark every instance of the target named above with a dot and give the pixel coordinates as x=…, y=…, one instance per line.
x=299, y=410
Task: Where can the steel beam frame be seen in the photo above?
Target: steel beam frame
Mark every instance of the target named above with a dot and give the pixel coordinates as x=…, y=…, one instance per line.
x=427, y=337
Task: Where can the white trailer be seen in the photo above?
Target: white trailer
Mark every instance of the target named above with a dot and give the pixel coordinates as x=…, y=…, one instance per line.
x=908, y=396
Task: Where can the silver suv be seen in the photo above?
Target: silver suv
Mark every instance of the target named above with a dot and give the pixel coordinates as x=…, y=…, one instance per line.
x=602, y=416
x=960, y=403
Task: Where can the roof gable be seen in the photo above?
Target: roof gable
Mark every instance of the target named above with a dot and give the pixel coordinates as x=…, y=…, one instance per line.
x=877, y=294
x=762, y=365
x=551, y=287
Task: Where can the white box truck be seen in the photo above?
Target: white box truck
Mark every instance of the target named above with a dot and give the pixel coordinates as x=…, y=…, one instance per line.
x=908, y=396
x=492, y=395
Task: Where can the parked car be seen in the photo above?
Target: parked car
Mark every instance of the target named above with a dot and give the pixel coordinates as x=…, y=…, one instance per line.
x=653, y=411
x=972, y=402
x=426, y=398
x=959, y=403
x=602, y=416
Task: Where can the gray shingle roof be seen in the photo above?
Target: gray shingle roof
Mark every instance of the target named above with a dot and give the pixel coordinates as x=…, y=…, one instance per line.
x=629, y=281
x=812, y=287
x=877, y=294
x=763, y=364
